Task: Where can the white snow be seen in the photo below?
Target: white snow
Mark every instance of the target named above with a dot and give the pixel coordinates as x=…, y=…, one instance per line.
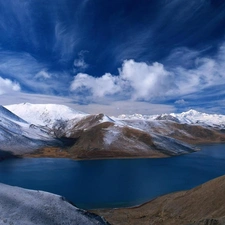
x=189, y=117
x=106, y=118
x=193, y=117
x=44, y=114
x=17, y=135
x=20, y=206
x=111, y=135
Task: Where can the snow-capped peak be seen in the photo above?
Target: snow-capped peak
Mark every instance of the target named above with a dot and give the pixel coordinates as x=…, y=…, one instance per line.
x=44, y=114
x=191, y=112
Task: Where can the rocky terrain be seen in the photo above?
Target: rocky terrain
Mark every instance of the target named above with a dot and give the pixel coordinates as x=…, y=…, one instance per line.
x=20, y=206
x=203, y=205
x=59, y=131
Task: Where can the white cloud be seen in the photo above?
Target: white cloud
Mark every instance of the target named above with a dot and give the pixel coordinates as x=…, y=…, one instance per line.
x=43, y=75
x=79, y=63
x=99, y=87
x=31, y=74
x=142, y=81
x=111, y=108
x=65, y=40
x=8, y=86
x=146, y=81
x=138, y=80
x=180, y=102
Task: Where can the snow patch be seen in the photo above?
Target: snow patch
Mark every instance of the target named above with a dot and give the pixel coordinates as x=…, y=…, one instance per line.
x=111, y=135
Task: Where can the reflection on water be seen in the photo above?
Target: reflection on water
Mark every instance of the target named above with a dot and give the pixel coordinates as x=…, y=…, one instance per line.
x=114, y=183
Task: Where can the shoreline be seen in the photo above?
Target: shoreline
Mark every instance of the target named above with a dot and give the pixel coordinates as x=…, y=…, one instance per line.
x=65, y=154
x=181, y=207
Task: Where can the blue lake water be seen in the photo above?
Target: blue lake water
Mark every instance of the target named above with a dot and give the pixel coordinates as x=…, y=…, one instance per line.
x=115, y=182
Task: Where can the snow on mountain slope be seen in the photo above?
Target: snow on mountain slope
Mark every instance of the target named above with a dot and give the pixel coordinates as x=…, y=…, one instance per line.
x=8, y=114
x=17, y=135
x=22, y=207
x=44, y=114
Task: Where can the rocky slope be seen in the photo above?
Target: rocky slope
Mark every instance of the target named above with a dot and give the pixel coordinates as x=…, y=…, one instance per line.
x=21, y=206
x=203, y=205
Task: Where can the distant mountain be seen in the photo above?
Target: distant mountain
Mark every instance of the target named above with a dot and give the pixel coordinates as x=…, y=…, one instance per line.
x=98, y=136
x=189, y=117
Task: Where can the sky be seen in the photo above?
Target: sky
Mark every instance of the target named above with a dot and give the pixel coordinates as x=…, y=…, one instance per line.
x=115, y=57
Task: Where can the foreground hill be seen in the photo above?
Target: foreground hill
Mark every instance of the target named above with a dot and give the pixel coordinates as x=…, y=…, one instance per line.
x=203, y=205
x=21, y=206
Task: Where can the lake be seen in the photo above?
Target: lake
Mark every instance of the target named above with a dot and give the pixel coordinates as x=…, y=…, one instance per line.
x=115, y=182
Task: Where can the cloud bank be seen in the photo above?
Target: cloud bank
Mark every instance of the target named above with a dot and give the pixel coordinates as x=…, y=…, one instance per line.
x=141, y=81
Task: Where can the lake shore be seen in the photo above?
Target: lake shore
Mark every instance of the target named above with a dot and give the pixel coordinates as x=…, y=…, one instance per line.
x=198, y=206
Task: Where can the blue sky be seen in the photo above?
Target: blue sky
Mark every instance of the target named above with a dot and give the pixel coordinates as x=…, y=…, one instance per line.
x=121, y=56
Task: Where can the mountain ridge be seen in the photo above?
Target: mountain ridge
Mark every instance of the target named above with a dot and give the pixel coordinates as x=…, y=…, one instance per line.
x=87, y=136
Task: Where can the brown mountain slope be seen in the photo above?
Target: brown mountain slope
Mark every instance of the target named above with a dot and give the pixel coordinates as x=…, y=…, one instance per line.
x=98, y=136
x=203, y=205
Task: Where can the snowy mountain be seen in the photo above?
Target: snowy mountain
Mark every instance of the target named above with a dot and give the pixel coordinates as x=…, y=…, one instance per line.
x=195, y=117
x=98, y=136
x=44, y=114
x=18, y=136
x=189, y=117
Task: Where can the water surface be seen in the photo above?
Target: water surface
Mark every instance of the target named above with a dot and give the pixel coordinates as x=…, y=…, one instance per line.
x=115, y=182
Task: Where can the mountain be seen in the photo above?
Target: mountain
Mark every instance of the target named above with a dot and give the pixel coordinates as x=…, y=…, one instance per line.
x=18, y=136
x=99, y=136
x=44, y=114
x=203, y=205
x=21, y=206
x=87, y=136
x=189, y=117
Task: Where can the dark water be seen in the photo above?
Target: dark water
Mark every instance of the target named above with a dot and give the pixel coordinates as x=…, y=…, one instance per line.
x=114, y=183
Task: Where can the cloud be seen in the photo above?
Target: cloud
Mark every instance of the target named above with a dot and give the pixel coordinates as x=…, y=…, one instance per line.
x=65, y=41
x=180, y=102
x=42, y=75
x=136, y=80
x=79, y=63
x=110, y=108
x=8, y=86
x=145, y=81
x=99, y=87
x=154, y=82
x=32, y=75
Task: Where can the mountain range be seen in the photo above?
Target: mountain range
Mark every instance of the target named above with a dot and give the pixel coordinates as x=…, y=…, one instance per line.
x=51, y=130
